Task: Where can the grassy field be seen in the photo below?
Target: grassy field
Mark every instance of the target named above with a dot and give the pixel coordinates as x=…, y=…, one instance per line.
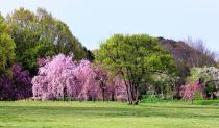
x=21, y=114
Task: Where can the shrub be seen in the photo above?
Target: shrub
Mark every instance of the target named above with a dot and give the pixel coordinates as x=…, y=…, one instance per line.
x=192, y=91
x=18, y=86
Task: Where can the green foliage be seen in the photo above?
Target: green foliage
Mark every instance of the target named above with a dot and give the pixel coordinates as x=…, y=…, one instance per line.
x=197, y=96
x=152, y=99
x=39, y=35
x=7, y=47
x=163, y=85
x=139, y=52
x=31, y=55
x=205, y=74
x=199, y=73
x=136, y=57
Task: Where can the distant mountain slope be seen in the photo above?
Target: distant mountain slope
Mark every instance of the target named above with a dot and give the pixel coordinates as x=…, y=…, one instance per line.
x=182, y=52
x=186, y=56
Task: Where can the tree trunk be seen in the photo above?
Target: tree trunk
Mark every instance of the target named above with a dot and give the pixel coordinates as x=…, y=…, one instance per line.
x=65, y=93
x=137, y=95
x=127, y=89
x=113, y=96
x=103, y=96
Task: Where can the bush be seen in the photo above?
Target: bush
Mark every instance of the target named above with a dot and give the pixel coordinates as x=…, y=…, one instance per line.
x=153, y=99
x=18, y=86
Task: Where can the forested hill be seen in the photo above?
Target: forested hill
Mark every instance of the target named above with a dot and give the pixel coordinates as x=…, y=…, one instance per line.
x=193, y=56
x=188, y=54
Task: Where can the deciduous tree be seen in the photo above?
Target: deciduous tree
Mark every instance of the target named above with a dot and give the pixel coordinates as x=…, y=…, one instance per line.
x=62, y=77
x=7, y=47
x=135, y=57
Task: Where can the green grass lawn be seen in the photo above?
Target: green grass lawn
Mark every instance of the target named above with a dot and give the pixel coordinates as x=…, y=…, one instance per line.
x=60, y=114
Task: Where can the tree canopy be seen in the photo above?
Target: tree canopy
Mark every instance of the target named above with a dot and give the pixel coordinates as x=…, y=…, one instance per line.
x=40, y=35
x=7, y=46
x=136, y=57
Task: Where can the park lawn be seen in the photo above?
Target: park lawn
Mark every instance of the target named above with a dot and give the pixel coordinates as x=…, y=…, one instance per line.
x=59, y=114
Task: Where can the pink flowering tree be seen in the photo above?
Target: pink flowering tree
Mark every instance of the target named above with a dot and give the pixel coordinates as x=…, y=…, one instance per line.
x=119, y=89
x=89, y=79
x=56, y=79
x=192, y=91
x=61, y=77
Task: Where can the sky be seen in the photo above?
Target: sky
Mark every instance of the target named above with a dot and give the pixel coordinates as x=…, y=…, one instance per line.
x=92, y=21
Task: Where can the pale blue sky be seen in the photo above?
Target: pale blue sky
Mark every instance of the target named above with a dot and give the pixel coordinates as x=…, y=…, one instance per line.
x=94, y=20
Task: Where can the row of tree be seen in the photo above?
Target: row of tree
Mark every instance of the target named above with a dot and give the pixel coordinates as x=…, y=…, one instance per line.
x=27, y=36
x=41, y=58
x=24, y=38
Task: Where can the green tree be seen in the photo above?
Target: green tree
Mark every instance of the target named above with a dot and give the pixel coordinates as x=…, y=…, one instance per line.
x=7, y=47
x=136, y=57
x=39, y=34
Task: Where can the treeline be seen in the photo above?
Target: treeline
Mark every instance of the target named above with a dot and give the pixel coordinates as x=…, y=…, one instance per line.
x=189, y=54
x=25, y=37
x=34, y=35
x=42, y=59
